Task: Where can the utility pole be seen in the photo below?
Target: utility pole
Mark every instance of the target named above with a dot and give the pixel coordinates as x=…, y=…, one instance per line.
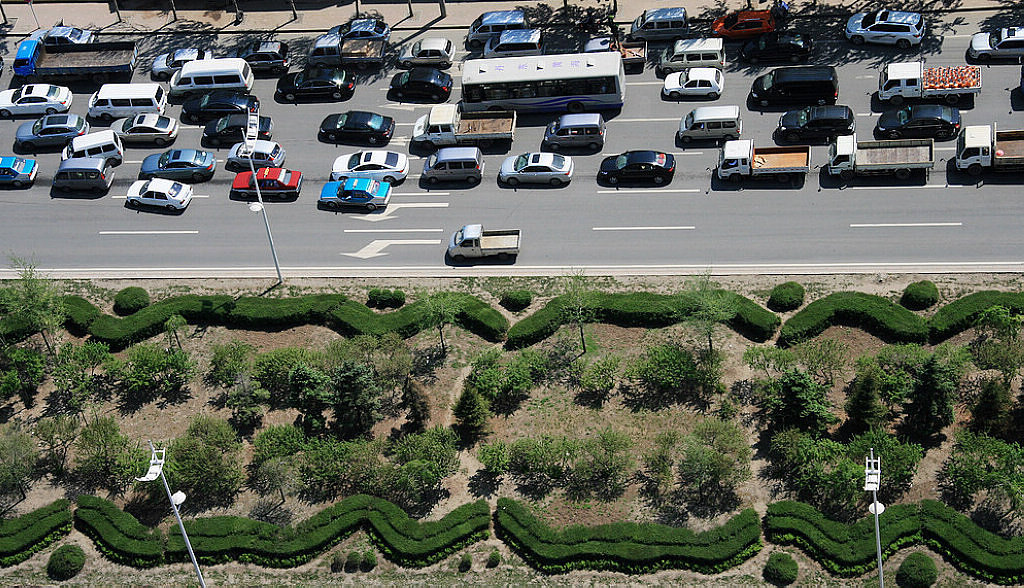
x=872, y=481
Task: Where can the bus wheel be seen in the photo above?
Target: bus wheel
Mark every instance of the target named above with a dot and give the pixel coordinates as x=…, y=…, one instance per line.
x=575, y=107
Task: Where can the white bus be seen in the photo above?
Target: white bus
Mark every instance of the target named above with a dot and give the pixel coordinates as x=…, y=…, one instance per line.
x=545, y=83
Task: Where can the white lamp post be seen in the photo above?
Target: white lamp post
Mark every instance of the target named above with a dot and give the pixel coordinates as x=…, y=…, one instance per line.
x=156, y=470
x=252, y=132
x=872, y=480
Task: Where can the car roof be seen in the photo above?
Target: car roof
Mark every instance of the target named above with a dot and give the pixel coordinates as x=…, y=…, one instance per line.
x=185, y=53
x=446, y=153
x=321, y=73
x=810, y=72
x=832, y=111
x=519, y=36
x=502, y=17
x=750, y=14
x=677, y=12
x=899, y=16
x=927, y=111
x=365, y=24
x=361, y=116
x=376, y=155
x=8, y=161
x=435, y=43
x=26, y=48
x=1013, y=32
x=703, y=73
x=59, y=119
x=146, y=119
x=358, y=184
x=160, y=185
x=425, y=74
x=643, y=156
x=270, y=173
x=267, y=46
x=184, y=154
x=88, y=163
x=36, y=89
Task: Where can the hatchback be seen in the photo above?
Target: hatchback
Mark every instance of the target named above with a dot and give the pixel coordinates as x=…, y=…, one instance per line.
x=18, y=171
x=264, y=154
x=886, y=27
x=161, y=193
x=1003, y=43
x=357, y=125
x=316, y=82
x=816, y=122
x=190, y=165
x=638, y=166
x=50, y=130
x=707, y=82
x=423, y=83
x=165, y=65
x=743, y=24
x=433, y=51
x=146, y=128
x=265, y=56
x=536, y=168
x=215, y=104
x=778, y=46
x=231, y=128
x=923, y=120
x=386, y=166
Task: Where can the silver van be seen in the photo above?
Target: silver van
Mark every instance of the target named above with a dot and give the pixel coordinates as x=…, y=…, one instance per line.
x=688, y=53
x=454, y=164
x=100, y=144
x=576, y=130
x=520, y=43
x=87, y=174
x=492, y=24
x=659, y=24
x=710, y=122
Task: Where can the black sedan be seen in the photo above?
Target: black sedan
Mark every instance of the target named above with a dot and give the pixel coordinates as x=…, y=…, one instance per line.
x=231, y=129
x=638, y=166
x=265, y=56
x=424, y=83
x=357, y=126
x=216, y=104
x=316, y=82
x=816, y=122
x=778, y=46
x=919, y=121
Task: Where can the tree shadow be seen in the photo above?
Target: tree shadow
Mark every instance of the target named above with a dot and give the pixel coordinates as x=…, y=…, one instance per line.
x=484, y=484
x=425, y=363
x=148, y=507
x=271, y=510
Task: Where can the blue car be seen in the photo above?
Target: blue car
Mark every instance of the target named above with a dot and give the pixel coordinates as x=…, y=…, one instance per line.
x=18, y=171
x=356, y=192
x=189, y=165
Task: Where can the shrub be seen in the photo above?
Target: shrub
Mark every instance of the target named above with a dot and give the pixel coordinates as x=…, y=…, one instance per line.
x=352, y=562
x=369, y=560
x=781, y=569
x=917, y=571
x=494, y=559
x=65, y=562
x=130, y=300
x=920, y=295
x=874, y=314
x=384, y=298
x=119, y=536
x=277, y=441
x=230, y=361
x=516, y=300
x=786, y=296
x=338, y=562
x=79, y=314
x=465, y=563
x=960, y=314
x=22, y=536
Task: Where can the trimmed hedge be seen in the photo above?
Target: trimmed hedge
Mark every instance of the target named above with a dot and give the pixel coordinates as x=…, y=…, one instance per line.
x=781, y=569
x=876, y=315
x=351, y=318
x=119, y=536
x=960, y=314
x=917, y=571
x=626, y=547
x=384, y=298
x=65, y=562
x=120, y=333
x=130, y=300
x=31, y=532
x=516, y=300
x=786, y=296
x=920, y=295
x=80, y=313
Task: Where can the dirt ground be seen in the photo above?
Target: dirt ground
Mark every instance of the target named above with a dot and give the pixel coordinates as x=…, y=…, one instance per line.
x=550, y=410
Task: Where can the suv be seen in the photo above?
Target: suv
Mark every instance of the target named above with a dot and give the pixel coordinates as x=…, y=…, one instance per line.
x=363, y=28
x=264, y=56
x=1002, y=43
x=816, y=122
x=743, y=24
x=886, y=27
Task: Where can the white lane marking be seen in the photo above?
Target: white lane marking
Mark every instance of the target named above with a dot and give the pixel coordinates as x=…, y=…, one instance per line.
x=643, y=228
x=125, y=197
x=376, y=248
x=867, y=77
x=865, y=114
x=635, y=120
x=901, y=225
x=687, y=153
x=957, y=36
x=650, y=191
x=149, y=232
x=395, y=194
x=132, y=161
x=393, y=231
x=945, y=148
x=928, y=187
x=645, y=83
x=398, y=124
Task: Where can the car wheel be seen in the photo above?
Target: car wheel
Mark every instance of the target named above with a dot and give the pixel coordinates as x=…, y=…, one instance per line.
x=896, y=100
x=983, y=57
x=389, y=179
x=553, y=147
x=659, y=180
x=895, y=134
x=163, y=77
x=197, y=177
x=857, y=40
x=214, y=141
x=171, y=207
x=289, y=97
x=432, y=181
x=373, y=140
x=753, y=60
x=686, y=139
x=471, y=180
x=764, y=103
x=332, y=136
x=557, y=182
x=613, y=180
x=28, y=146
x=903, y=44
x=371, y=207
x=846, y=174
x=475, y=44
x=459, y=258
x=975, y=169
x=593, y=146
x=399, y=93
x=943, y=134
x=575, y=107
x=160, y=141
x=435, y=97
x=194, y=119
x=333, y=205
x=4, y=113
x=792, y=137
x=336, y=95
x=17, y=183
x=512, y=182
x=903, y=174
x=952, y=99
x=794, y=58
x=674, y=95
x=712, y=95
x=51, y=110
x=106, y=117
x=133, y=203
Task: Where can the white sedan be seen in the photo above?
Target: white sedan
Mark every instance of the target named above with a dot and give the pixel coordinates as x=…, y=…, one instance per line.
x=383, y=166
x=167, y=64
x=536, y=168
x=34, y=99
x=696, y=81
x=161, y=193
x=146, y=128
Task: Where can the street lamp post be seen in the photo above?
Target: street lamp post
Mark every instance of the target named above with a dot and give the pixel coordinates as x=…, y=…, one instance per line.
x=872, y=480
x=252, y=131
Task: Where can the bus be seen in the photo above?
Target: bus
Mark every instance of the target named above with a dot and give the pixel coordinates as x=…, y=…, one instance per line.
x=545, y=83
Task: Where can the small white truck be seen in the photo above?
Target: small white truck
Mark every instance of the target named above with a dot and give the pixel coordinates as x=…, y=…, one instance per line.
x=901, y=81
x=984, y=147
x=741, y=159
x=445, y=126
x=848, y=157
x=472, y=241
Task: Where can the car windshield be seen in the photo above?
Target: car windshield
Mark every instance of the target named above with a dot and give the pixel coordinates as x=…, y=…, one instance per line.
x=762, y=42
x=416, y=47
x=205, y=101
x=174, y=190
x=994, y=38
x=162, y=122
x=18, y=165
x=166, y=157
x=768, y=80
x=376, y=122
x=223, y=123
x=275, y=152
x=53, y=91
x=903, y=115
x=285, y=177
x=342, y=119
x=403, y=79
x=300, y=77
x=802, y=117
x=521, y=162
x=731, y=20
x=16, y=95
x=354, y=160
x=622, y=161
x=557, y=161
x=37, y=127
x=869, y=19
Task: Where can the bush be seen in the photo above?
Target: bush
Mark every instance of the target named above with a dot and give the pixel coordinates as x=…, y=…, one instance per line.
x=352, y=562
x=352, y=319
x=516, y=300
x=65, y=563
x=960, y=314
x=22, y=536
x=781, y=569
x=874, y=314
x=338, y=562
x=230, y=361
x=384, y=298
x=119, y=536
x=786, y=296
x=917, y=571
x=465, y=563
x=494, y=559
x=130, y=300
x=920, y=295
x=79, y=314
x=277, y=441
x=369, y=560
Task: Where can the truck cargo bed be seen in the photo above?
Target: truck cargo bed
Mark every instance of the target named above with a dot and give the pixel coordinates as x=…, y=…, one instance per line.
x=1011, y=144
x=90, y=57
x=960, y=77
x=892, y=153
x=500, y=240
x=781, y=158
x=633, y=52
x=486, y=123
x=355, y=49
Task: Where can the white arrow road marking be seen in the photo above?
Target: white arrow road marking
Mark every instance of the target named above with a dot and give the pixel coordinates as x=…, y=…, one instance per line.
x=373, y=218
x=888, y=225
x=149, y=232
x=376, y=247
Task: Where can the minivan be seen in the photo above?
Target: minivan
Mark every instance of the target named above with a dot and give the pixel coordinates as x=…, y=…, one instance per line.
x=659, y=24
x=87, y=174
x=124, y=100
x=224, y=73
x=688, y=53
x=796, y=85
x=101, y=144
x=576, y=130
x=520, y=43
x=454, y=164
x=492, y=24
x=710, y=122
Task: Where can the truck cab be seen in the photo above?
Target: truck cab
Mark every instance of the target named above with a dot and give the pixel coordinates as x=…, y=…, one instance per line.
x=735, y=158
x=841, y=154
x=466, y=242
x=439, y=125
x=900, y=79
x=974, y=149
x=26, y=57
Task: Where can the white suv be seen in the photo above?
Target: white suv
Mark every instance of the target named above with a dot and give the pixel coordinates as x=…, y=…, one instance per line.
x=886, y=27
x=1002, y=43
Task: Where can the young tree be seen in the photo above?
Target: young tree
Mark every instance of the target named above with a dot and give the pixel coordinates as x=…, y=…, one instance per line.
x=57, y=434
x=709, y=306
x=21, y=372
x=356, y=400
x=931, y=407
x=230, y=362
x=36, y=301
x=104, y=458
x=206, y=463
x=277, y=475
x=991, y=414
x=277, y=441
x=74, y=375
x=576, y=303
x=823, y=359
x=771, y=361
x=441, y=309
x=471, y=414
x=603, y=467
x=414, y=400
x=864, y=409
x=311, y=393
x=149, y=371
x=18, y=456
x=979, y=463
x=715, y=458
x=999, y=344
x=659, y=464
x=796, y=400
x=173, y=327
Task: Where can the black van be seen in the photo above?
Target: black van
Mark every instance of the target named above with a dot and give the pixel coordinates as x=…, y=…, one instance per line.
x=796, y=85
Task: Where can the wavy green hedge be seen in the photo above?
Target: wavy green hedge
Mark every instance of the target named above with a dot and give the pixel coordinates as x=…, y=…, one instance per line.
x=876, y=315
x=960, y=314
x=626, y=547
x=118, y=535
x=353, y=318
x=31, y=532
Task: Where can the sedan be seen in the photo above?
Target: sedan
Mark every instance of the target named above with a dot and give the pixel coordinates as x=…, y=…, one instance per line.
x=792, y=47
x=999, y=44
x=536, y=168
x=743, y=24
x=696, y=81
x=216, y=104
x=265, y=56
x=886, y=27
x=18, y=171
x=316, y=82
x=190, y=165
x=924, y=120
x=146, y=128
x=231, y=128
x=164, y=66
x=422, y=83
x=50, y=130
x=386, y=166
x=816, y=122
x=34, y=99
x=159, y=192
x=356, y=192
x=433, y=51
x=638, y=166
x=274, y=182
x=264, y=154
x=358, y=125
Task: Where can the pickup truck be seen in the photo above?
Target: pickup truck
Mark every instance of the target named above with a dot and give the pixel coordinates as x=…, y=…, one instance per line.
x=445, y=125
x=472, y=241
x=634, y=53
x=98, y=61
x=901, y=81
x=741, y=159
x=848, y=157
x=331, y=49
x=985, y=147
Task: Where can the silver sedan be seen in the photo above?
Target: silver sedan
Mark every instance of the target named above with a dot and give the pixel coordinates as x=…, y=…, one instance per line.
x=536, y=168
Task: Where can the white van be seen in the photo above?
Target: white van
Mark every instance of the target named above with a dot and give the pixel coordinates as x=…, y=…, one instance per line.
x=519, y=43
x=492, y=24
x=710, y=122
x=124, y=100
x=659, y=24
x=687, y=53
x=101, y=144
x=223, y=73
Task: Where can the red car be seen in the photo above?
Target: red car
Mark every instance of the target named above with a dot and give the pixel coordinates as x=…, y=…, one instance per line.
x=743, y=24
x=274, y=182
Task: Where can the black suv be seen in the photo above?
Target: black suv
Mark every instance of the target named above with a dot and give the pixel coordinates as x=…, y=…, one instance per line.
x=638, y=166
x=216, y=104
x=816, y=122
x=426, y=83
x=265, y=56
x=778, y=46
x=315, y=82
x=357, y=126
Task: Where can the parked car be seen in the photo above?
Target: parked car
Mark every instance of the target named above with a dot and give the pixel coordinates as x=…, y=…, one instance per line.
x=265, y=56
x=386, y=166
x=231, y=128
x=146, y=128
x=936, y=121
x=432, y=51
x=638, y=166
x=536, y=168
x=316, y=82
x=216, y=104
x=357, y=125
x=274, y=182
x=159, y=192
x=61, y=36
x=696, y=81
x=778, y=46
x=1003, y=43
x=355, y=192
x=190, y=165
x=166, y=64
x=50, y=130
x=362, y=28
x=816, y=122
x=743, y=24
x=264, y=154
x=886, y=27
x=18, y=171
x=422, y=83
x=34, y=99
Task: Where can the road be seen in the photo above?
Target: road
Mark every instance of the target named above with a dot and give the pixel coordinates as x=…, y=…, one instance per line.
x=947, y=222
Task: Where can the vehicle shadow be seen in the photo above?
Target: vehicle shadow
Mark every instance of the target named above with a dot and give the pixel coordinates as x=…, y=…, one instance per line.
x=77, y=194
x=510, y=260
x=155, y=209
x=445, y=185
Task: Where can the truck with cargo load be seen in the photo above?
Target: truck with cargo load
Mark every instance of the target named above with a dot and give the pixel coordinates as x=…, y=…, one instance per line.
x=331, y=49
x=472, y=241
x=98, y=61
x=848, y=157
x=445, y=126
x=740, y=159
x=912, y=80
x=985, y=147
x=634, y=53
